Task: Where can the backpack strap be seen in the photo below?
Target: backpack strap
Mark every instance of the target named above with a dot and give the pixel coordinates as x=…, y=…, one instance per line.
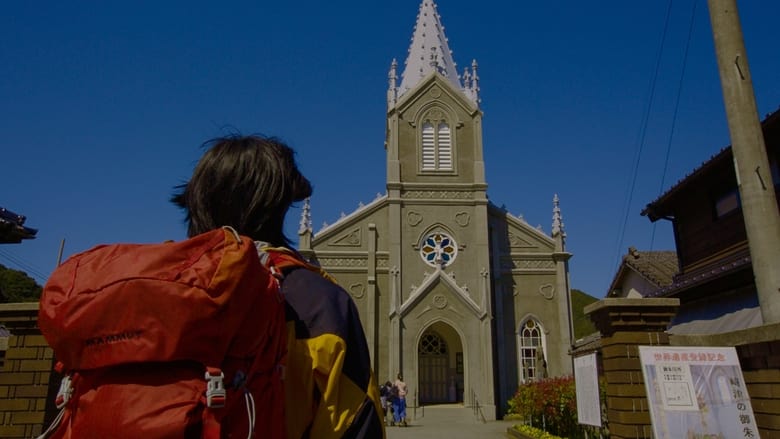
x=282, y=260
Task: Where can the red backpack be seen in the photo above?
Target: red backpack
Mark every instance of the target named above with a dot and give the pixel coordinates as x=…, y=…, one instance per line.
x=174, y=340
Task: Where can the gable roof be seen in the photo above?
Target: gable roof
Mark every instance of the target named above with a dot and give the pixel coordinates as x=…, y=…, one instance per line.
x=345, y=219
x=657, y=267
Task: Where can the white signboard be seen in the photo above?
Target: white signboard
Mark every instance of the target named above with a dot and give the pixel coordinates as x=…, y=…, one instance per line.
x=696, y=392
x=586, y=381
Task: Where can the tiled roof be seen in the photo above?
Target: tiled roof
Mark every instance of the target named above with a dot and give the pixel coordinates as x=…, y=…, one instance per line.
x=658, y=267
x=722, y=267
x=12, y=229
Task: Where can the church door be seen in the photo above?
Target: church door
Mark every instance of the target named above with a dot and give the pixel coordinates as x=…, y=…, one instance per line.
x=434, y=362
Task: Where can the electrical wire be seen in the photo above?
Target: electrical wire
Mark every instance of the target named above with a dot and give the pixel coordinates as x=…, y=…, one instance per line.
x=674, y=115
x=25, y=266
x=641, y=140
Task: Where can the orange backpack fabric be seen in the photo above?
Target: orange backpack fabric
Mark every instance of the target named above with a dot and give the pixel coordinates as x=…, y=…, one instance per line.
x=172, y=340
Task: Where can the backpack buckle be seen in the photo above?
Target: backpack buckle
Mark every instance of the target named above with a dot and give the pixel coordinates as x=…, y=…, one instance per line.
x=65, y=392
x=215, y=388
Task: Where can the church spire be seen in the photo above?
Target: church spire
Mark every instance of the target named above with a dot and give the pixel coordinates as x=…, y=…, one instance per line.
x=429, y=50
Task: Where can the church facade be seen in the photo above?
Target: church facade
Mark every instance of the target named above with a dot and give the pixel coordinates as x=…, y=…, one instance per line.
x=463, y=298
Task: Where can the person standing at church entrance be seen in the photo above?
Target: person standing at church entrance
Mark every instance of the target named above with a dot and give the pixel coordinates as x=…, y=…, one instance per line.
x=399, y=401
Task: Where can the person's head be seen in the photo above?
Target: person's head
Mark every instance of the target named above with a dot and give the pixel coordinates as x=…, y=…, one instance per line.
x=246, y=182
x=400, y=377
x=389, y=384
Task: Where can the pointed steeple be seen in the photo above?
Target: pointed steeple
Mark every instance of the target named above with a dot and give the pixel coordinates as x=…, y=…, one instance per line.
x=429, y=50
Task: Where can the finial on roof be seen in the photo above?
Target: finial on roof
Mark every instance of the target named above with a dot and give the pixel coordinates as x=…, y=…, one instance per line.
x=305, y=225
x=392, y=89
x=557, y=224
x=473, y=88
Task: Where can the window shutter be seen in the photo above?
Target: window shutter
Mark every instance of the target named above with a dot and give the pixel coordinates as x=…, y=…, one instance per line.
x=445, y=147
x=428, y=147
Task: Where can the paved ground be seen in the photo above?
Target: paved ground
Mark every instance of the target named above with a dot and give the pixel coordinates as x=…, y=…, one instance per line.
x=447, y=422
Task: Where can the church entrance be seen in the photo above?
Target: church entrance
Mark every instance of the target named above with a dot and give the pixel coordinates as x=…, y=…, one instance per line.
x=440, y=360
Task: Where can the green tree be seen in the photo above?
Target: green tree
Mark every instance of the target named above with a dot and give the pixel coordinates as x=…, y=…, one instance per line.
x=17, y=286
x=582, y=324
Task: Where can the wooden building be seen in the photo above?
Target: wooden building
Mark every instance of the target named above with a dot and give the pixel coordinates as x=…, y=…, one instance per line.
x=715, y=282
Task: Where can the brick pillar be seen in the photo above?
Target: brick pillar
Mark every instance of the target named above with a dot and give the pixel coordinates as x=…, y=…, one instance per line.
x=25, y=374
x=624, y=325
x=761, y=369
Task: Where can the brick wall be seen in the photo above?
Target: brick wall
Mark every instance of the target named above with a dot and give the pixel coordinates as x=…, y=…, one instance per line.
x=758, y=350
x=626, y=324
x=25, y=374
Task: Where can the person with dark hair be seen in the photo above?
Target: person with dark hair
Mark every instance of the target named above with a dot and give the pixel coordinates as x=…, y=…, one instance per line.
x=249, y=183
x=385, y=396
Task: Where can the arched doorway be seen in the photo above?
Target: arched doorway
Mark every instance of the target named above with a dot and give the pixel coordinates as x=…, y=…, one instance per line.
x=440, y=361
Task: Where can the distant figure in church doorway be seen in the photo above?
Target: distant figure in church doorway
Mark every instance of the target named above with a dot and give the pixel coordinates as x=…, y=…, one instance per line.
x=399, y=401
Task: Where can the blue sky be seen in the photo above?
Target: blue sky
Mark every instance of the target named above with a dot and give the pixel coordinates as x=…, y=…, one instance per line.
x=105, y=105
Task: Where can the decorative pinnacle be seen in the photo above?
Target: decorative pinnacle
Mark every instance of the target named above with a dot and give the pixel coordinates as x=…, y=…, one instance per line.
x=305, y=225
x=392, y=89
x=557, y=224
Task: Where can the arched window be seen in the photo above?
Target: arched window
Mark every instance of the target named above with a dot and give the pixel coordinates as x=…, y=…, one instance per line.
x=533, y=364
x=436, y=146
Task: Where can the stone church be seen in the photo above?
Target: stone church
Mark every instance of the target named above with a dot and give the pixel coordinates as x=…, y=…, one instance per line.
x=463, y=298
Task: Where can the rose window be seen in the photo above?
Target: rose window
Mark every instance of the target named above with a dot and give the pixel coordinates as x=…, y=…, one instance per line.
x=438, y=249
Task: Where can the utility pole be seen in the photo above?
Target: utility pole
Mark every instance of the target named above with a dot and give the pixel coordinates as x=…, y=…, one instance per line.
x=754, y=178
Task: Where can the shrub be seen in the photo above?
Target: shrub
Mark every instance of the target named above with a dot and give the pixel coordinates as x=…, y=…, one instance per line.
x=550, y=404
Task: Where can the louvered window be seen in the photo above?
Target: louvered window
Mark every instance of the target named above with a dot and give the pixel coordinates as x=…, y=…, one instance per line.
x=444, y=143
x=436, y=146
x=428, y=147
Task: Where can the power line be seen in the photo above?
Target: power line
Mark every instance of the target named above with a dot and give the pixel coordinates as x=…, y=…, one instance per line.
x=26, y=267
x=676, y=107
x=641, y=139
